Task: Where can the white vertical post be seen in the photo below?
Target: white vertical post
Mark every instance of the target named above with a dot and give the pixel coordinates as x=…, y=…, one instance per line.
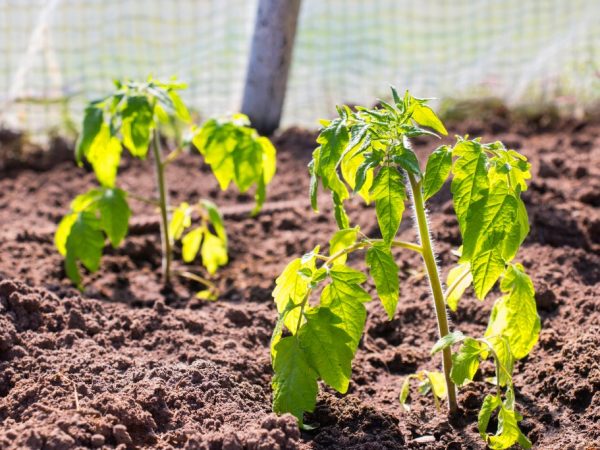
x=269, y=64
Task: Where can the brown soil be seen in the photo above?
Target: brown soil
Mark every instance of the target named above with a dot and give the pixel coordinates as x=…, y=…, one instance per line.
x=130, y=364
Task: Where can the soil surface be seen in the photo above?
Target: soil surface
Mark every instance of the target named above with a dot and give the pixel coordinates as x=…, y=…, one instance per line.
x=127, y=364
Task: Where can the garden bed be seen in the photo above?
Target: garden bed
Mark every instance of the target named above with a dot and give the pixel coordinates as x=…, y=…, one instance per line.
x=130, y=363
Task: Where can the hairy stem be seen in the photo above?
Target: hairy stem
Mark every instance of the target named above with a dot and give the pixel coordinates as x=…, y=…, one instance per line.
x=436, y=286
x=167, y=254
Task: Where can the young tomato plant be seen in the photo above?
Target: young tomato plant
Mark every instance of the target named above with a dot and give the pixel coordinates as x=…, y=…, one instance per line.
x=132, y=117
x=368, y=151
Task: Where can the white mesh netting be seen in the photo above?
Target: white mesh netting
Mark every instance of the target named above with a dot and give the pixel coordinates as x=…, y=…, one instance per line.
x=56, y=54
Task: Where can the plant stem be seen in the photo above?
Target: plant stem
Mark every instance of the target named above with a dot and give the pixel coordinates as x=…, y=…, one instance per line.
x=164, y=206
x=436, y=286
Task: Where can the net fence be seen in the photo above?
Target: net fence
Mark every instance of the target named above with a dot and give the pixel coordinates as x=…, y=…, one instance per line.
x=57, y=54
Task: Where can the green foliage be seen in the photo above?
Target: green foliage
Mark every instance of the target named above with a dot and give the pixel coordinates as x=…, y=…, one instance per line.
x=384, y=271
x=235, y=152
x=94, y=216
x=367, y=152
x=131, y=118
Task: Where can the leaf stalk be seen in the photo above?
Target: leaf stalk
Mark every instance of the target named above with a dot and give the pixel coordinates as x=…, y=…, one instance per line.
x=167, y=252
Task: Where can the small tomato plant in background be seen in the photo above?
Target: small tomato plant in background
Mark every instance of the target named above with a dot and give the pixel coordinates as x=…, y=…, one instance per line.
x=132, y=117
x=369, y=151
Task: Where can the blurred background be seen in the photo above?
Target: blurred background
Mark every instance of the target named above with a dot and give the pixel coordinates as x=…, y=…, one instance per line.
x=57, y=54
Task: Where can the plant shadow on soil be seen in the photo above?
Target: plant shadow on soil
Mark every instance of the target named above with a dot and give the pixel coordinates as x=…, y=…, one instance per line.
x=130, y=364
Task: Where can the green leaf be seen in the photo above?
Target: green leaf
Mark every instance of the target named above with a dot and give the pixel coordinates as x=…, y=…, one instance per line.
x=344, y=297
x=461, y=272
x=104, y=154
x=235, y=152
x=447, y=341
x=389, y=194
x=508, y=432
x=341, y=218
x=291, y=286
x=517, y=233
x=84, y=244
x=215, y=218
x=470, y=182
x=437, y=381
x=333, y=140
x=384, y=271
x=314, y=183
x=486, y=268
x=137, y=125
x=92, y=123
x=515, y=315
x=465, y=362
x=295, y=382
x=114, y=215
x=424, y=116
x=489, y=405
x=327, y=347
x=437, y=171
x=487, y=226
x=356, y=171
x=190, y=244
x=62, y=232
x=341, y=240
x=181, y=219
x=407, y=159
x=404, y=393
x=181, y=110
x=213, y=252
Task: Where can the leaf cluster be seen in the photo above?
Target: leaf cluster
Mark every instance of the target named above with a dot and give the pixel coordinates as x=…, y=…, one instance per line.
x=367, y=151
x=131, y=118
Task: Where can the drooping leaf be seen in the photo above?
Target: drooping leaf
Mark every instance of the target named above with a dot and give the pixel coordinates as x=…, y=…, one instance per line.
x=508, y=432
x=190, y=244
x=327, y=347
x=339, y=213
x=384, y=271
x=213, y=252
x=465, y=362
x=216, y=219
x=447, y=341
x=333, y=140
x=295, y=381
x=437, y=380
x=489, y=405
x=437, y=171
x=181, y=110
x=137, y=125
x=104, y=154
x=180, y=220
x=291, y=286
x=486, y=268
x=84, y=244
x=341, y=240
x=389, y=194
x=92, y=123
x=517, y=233
x=62, y=232
x=515, y=315
x=461, y=274
x=345, y=297
x=114, y=215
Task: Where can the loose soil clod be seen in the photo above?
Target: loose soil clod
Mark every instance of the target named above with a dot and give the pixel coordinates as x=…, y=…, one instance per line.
x=161, y=369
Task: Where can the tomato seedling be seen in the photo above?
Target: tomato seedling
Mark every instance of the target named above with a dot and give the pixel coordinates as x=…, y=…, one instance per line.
x=368, y=150
x=133, y=117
